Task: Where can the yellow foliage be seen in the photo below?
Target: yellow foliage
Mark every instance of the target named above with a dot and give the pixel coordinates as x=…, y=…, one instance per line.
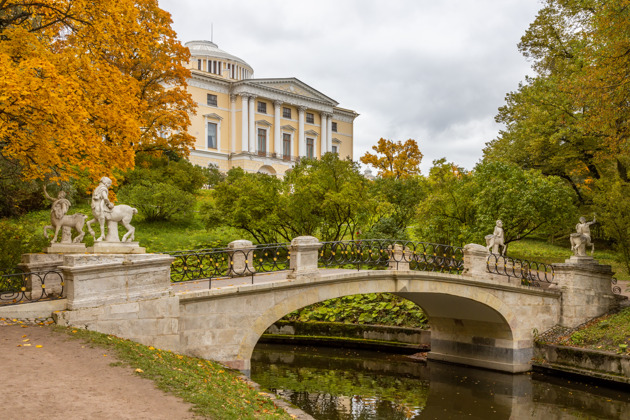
x=84, y=85
x=398, y=160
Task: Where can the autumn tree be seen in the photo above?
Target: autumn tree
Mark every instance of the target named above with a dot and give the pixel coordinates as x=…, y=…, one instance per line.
x=572, y=119
x=394, y=159
x=84, y=85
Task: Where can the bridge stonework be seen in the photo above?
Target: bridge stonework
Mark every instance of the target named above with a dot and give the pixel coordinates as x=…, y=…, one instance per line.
x=477, y=318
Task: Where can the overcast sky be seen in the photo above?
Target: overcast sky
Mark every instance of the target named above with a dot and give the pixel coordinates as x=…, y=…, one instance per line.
x=432, y=70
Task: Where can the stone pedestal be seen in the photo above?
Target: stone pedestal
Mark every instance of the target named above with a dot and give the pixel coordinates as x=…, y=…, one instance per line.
x=399, y=257
x=66, y=248
x=241, y=261
x=304, y=252
x=586, y=290
x=475, y=261
x=106, y=247
x=122, y=294
x=97, y=280
x=43, y=264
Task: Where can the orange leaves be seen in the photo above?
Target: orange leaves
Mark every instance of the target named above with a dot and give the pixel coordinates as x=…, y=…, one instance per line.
x=398, y=160
x=79, y=95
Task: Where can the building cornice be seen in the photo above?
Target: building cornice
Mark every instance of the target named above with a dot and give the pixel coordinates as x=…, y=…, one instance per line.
x=344, y=115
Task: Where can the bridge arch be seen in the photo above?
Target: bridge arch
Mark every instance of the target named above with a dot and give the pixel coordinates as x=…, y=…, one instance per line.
x=470, y=324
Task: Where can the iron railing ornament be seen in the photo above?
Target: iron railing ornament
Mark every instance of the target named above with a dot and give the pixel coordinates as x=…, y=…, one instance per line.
x=530, y=273
x=26, y=287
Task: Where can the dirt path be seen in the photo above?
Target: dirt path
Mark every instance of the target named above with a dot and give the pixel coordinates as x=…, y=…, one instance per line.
x=57, y=377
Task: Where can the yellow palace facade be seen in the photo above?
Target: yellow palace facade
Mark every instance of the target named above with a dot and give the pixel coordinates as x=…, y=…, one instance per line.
x=260, y=125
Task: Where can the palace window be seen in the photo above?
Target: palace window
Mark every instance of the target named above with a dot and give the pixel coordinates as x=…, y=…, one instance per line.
x=198, y=64
x=310, y=148
x=262, y=107
x=334, y=149
x=334, y=127
x=310, y=118
x=262, y=141
x=286, y=112
x=286, y=146
x=212, y=99
x=212, y=135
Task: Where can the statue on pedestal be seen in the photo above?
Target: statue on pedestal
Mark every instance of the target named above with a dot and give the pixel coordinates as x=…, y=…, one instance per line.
x=496, y=239
x=59, y=220
x=582, y=238
x=104, y=210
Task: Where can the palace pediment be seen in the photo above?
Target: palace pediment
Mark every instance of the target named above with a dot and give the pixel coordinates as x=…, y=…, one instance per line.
x=291, y=86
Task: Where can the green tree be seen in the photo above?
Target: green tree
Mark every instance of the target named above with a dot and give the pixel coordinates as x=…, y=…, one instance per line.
x=398, y=201
x=462, y=207
x=527, y=202
x=326, y=198
x=249, y=202
x=447, y=214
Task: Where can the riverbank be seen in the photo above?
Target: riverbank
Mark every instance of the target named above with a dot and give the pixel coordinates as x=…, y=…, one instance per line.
x=354, y=336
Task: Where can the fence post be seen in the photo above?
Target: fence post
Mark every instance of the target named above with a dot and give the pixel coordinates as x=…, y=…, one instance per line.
x=304, y=252
x=475, y=261
x=399, y=257
x=241, y=263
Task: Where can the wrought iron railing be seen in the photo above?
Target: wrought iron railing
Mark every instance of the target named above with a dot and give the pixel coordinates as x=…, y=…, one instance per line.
x=30, y=287
x=381, y=253
x=209, y=264
x=530, y=273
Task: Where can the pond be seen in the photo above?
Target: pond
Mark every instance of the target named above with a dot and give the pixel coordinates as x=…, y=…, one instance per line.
x=333, y=383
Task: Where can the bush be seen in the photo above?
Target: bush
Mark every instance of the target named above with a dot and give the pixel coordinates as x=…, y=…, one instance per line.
x=18, y=238
x=158, y=201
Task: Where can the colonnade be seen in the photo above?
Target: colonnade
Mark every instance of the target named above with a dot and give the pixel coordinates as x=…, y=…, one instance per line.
x=249, y=132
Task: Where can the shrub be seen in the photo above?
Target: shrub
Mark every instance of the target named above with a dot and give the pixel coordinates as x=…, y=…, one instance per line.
x=158, y=201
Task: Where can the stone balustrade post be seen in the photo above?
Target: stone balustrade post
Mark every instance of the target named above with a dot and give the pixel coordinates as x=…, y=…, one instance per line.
x=475, y=261
x=399, y=257
x=241, y=258
x=586, y=290
x=304, y=253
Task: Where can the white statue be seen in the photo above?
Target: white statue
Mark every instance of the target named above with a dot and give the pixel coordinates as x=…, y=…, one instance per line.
x=59, y=220
x=582, y=238
x=104, y=210
x=496, y=239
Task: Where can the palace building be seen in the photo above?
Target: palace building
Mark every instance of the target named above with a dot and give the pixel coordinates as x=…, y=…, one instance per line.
x=260, y=125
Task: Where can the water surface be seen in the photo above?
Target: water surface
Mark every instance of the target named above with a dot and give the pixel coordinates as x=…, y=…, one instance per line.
x=340, y=384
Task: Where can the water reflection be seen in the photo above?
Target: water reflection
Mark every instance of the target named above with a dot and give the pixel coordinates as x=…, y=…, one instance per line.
x=348, y=384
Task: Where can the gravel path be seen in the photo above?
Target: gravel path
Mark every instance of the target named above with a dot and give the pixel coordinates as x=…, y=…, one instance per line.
x=47, y=375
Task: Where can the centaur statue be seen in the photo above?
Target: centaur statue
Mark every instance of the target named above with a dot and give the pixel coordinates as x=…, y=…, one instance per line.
x=496, y=240
x=582, y=238
x=104, y=210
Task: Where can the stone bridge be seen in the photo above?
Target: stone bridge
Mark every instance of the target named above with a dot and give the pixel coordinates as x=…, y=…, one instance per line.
x=476, y=318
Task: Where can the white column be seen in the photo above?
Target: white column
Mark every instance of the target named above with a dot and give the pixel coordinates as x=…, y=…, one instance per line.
x=277, y=141
x=244, y=123
x=252, y=124
x=232, y=123
x=329, y=133
x=323, y=137
x=301, y=142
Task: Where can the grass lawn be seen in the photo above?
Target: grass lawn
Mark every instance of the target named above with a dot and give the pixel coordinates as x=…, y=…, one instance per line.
x=609, y=333
x=216, y=391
